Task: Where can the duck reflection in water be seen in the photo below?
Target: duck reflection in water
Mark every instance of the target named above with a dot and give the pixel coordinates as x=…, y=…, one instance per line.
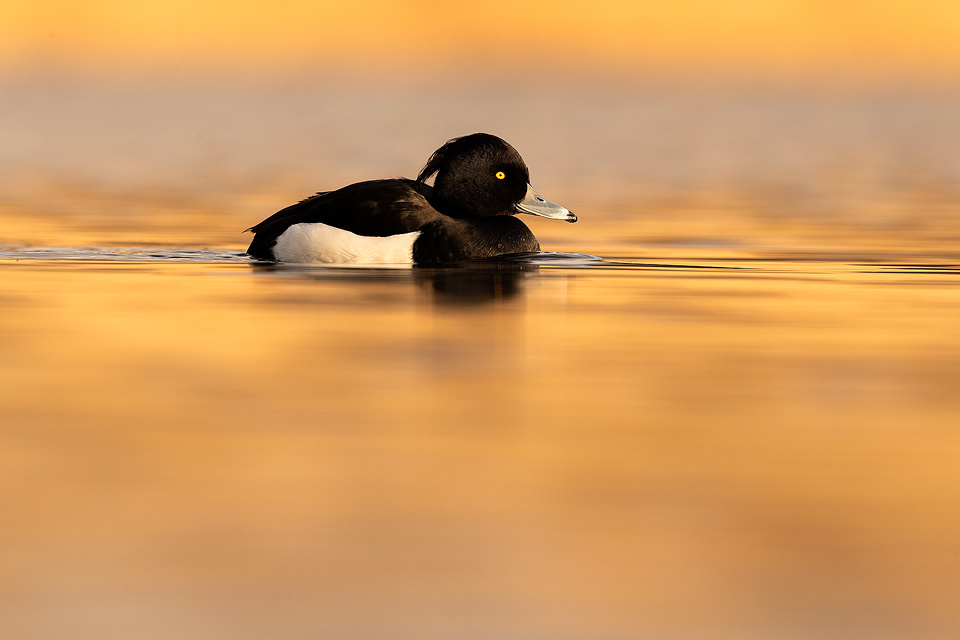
x=463, y=282
x=475, y=281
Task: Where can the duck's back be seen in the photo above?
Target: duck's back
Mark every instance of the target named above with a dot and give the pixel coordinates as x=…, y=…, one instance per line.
x=375, y=208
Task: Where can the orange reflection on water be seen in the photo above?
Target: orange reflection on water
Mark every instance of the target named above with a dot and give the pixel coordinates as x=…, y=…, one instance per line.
x=218, y=450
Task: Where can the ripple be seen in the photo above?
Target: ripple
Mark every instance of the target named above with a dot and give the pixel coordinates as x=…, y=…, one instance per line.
x=940, y=269
x=123, y=254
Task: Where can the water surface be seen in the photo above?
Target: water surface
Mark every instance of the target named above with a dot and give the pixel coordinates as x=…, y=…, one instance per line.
x=194, y=445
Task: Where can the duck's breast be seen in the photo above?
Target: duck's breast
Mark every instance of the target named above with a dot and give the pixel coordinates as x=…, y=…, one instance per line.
x=451, y=239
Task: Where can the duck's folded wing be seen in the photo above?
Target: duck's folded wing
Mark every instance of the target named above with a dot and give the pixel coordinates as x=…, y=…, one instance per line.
x=373, y=208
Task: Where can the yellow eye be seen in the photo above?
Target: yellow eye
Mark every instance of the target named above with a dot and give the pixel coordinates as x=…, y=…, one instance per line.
x=501, y=175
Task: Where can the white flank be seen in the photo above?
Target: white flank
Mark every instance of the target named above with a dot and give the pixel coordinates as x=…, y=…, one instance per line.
x=314, y=242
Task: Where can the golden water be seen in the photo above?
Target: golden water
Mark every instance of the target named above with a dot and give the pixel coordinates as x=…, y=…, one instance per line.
x=744, y=424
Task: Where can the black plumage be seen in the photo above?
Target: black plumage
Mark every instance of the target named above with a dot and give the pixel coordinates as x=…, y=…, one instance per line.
x=468, y=213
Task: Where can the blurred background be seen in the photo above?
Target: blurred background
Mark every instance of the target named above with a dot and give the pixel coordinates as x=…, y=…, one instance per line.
x=747, y=431
x=407, y=41
x=786, y=108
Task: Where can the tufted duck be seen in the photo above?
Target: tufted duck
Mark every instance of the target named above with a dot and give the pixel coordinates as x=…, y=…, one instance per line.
x=468, y=213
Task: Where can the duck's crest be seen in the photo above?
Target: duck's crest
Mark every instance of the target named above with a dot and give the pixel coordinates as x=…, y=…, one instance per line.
x=458, y=147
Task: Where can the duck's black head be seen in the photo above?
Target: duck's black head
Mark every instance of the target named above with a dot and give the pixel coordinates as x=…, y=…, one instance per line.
x=481, y=175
